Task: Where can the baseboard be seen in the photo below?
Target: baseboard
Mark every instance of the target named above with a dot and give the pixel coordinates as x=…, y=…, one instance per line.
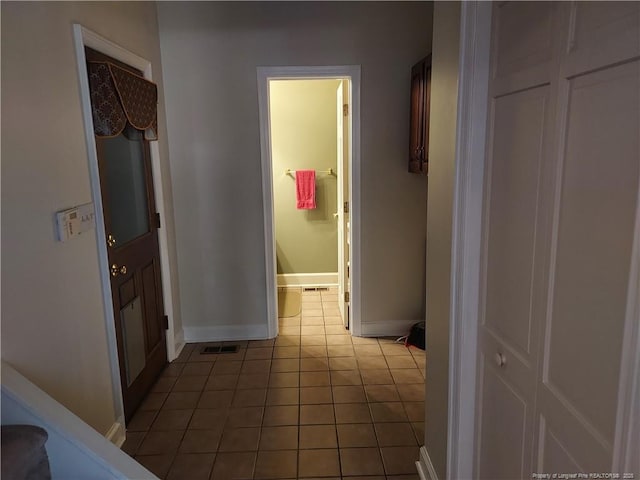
x=388, y=328
x=307, y=279
x=426, y=471
x=225, y=332
x=179, y=343
x=116, y=433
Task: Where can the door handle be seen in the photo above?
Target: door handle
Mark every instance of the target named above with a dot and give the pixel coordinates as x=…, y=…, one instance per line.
x=111, y=240
x=336, y=215
x=116, y=270
x=501, y=360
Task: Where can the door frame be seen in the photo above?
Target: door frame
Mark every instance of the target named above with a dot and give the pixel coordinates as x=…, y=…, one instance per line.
x=264, y=75
x=84, y=37
x=475, y=40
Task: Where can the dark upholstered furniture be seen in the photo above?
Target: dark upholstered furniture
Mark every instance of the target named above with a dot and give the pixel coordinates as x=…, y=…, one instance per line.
x=24, y=456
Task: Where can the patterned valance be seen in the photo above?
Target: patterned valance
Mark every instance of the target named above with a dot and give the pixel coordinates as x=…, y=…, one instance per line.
x=118, y=98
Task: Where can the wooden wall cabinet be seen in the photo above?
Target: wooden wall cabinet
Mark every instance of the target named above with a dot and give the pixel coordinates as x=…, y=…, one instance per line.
x=419, y=121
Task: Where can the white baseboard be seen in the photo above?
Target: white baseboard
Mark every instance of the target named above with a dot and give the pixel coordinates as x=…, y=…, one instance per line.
x=388, y=328
x=225, y=332
x=426, y=471
x=116, y=433
x=179, y=343
x=307, y=279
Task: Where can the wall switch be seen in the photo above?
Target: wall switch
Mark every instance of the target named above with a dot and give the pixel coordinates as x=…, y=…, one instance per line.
x=75, y=221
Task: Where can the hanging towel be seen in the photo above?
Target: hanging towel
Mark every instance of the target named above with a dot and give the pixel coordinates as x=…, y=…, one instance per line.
x=305, y=189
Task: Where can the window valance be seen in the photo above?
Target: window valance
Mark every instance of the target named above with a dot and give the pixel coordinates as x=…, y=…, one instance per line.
x=121, y=100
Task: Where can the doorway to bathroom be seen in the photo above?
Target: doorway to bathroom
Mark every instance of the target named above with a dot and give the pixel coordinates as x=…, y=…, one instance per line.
x=310, y=159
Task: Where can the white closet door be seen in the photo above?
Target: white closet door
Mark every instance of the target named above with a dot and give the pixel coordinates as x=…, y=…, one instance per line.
x=514, y=236
x=598, y=166
x=561, y=199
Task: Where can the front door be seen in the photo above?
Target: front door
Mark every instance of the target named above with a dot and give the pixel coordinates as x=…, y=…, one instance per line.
x=128, y=204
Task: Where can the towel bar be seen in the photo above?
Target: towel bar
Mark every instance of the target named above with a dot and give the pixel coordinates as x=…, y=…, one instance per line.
x=329, y=171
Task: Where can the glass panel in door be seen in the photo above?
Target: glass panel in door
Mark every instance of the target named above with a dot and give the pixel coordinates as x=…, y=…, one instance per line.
x=125, y=184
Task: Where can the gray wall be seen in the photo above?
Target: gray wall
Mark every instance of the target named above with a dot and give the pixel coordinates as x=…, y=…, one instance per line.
x=442, y=138
x=53, y=325
x=210, y=52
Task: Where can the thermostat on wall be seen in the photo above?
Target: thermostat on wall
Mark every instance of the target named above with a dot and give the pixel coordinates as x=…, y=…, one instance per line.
x=75, y=221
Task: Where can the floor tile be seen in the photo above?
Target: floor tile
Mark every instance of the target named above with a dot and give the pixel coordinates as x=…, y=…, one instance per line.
x=335, y=330
x=189, y=383
x=346, y=377
x=372, y=363
x=207, y=419
x=395, y=349
x=164, y=384
x=367, y=350
x=244, y=417
x=261, y=343
x=289, y=330
x=314, y=379
x=312, y=321
x=411, y=392
x=222, y=382
x=160, y=443
x=201, y=441
x=339, y=340
x=318, y=436
x=253, y=380
x=313, y=351
x=287, y=341
x=153, y=401
x=404, y=361
x=173, y=369
x=352, y=413
x=276, y=464
x=314, y=364
x=382, y=393
x=156, y=464
x=415, y=411
x=315, y=395
x=286, y=352
x=283, y=396
x=376, y=377
x=388, y=412
x=342, y=363
x=316, y=414
x=418, y=430
x=258, y=353
x=311, y=340
x=285, y=365
x=284, y=380
x=319, y=463
x=361, y=461
x=240, y=439
x=406, y=375
x=395, y=434
x=197, y=369
x=280, y=415
x=279, y=438
x=256, y=366
x=172, y=420
x=356, y=435
x=238, y=466
x=132, y=442
x=400, y=460
x=192, y=466
x=226, y=368
x=214, y=399
x=342, y=351
x=251, y=397
x=141, y=421
x=348, y=394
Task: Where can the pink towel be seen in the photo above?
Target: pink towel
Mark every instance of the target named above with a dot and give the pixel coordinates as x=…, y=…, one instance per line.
x=305, y=189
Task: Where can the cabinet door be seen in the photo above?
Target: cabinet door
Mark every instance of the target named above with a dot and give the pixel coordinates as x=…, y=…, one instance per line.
x=418, y=116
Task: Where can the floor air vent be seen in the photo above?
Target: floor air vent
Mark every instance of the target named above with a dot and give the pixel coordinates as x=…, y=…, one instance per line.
x=219, y=349
x=315, y=289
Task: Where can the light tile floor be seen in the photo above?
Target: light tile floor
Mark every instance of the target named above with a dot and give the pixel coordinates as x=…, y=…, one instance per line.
x=313, y=403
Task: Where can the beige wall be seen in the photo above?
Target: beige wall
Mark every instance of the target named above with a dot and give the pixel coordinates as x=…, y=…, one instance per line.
x=442, y=137
x=304, y=136
x=210, y=54
x=53, y=325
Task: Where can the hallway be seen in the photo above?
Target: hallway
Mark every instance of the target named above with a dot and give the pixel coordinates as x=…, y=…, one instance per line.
x=313, y=403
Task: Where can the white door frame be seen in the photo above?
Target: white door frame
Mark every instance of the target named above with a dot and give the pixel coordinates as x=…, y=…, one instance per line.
x=475, y=39
x=352, y=72
x=86, y=38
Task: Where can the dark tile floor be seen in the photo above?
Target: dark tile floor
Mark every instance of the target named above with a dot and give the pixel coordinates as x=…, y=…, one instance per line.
x=313, y=403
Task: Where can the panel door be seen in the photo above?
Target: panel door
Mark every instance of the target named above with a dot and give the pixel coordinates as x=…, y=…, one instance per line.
x=595, y=207
x=128, y=201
